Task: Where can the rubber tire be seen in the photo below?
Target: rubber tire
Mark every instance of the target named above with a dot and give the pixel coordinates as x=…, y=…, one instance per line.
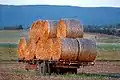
x=66, y=70
x=74, y=70
x=44, y=68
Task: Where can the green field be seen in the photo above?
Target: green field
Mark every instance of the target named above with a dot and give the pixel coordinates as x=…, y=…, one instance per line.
x=108, y=47
x=108, y=39
x=10, y=35
x=106, y=50
x=102, y=38
x=8, y=44
x=8, y=53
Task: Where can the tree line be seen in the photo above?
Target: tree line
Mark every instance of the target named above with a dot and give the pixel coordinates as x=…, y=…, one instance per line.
x=103, y=29
x=17, y=27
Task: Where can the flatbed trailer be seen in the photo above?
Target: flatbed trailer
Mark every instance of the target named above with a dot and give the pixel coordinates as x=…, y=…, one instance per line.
x=50, y=66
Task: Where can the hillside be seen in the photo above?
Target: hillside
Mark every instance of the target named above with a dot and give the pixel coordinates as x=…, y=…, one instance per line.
x=25, y=15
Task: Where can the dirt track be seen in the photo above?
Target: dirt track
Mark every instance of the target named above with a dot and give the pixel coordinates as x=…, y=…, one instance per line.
x=102, y=67
x=101, y=70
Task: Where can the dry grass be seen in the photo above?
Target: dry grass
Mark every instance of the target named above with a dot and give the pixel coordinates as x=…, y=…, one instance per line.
x=10, y=35
x=102, y=38
x=108, y=51
x=8, y=53
x=16, y=71
x=105, y=51
x=13, y=70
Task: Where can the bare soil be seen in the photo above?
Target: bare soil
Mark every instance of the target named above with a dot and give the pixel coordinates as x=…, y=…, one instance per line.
x=102, y=70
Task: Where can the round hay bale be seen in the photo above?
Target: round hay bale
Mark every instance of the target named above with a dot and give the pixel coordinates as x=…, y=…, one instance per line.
x=44, y=50
x=41, y=30
x=56, y=49
x=61, y=30
x=33, y=26
x=45, y=33
x=87, y=50
x=65, y=49
x=69, y=28
x=38, y=50
x=21, y=48
x=30, y=50
x=50, y=29
x=36, y=31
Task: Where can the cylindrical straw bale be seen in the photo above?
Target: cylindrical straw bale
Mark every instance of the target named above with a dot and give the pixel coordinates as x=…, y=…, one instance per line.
x=87, y=50
x=44, y=50
x=41, y=30
x=70, y=28
x=65, y=49
x=36, y=31
x=30, y=50
x=21, y=48
x=61, y=29
x=51, y=28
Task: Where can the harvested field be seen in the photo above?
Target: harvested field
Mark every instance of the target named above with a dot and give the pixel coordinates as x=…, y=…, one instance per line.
x=102, y=38
x=14, y=36
x=10, y=35
x=106, y=51
x=102, y=70
x=107, y=70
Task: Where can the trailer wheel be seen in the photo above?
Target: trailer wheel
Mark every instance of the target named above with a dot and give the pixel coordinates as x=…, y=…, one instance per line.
x=70, y=70
x=49, y=69
x=44, y=68
x=66, y=70
x=74, y=70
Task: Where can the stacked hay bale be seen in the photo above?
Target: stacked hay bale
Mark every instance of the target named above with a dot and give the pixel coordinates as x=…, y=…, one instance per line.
x=45, y=43
x=59, y=40
x=69, y=28
x=21, y=48
x=70, y=44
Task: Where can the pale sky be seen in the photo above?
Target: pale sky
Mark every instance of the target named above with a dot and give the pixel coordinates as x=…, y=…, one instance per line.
x=81, y=3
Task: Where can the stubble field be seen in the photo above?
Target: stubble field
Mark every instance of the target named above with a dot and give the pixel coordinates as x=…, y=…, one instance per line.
x=107, y=64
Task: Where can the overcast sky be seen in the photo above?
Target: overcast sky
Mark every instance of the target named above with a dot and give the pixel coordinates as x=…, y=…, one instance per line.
x=81, y=3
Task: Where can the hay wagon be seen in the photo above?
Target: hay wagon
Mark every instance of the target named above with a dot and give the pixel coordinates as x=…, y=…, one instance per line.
x=57, y=47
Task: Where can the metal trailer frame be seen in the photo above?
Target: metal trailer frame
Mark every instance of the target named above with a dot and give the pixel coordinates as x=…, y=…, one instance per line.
x=60, y=67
